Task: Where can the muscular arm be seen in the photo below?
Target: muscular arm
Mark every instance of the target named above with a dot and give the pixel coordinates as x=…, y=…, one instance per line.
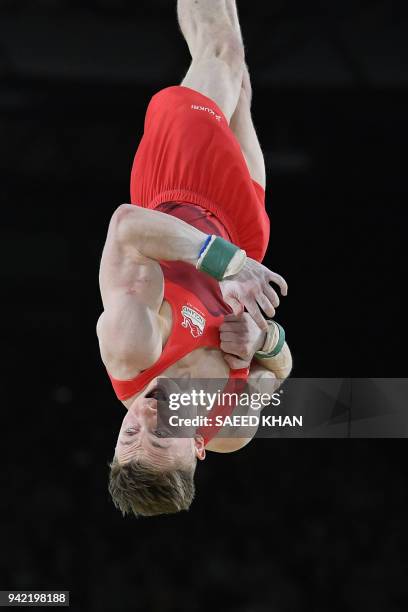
x=131, y=283
x=137, y=238
x=156, y=235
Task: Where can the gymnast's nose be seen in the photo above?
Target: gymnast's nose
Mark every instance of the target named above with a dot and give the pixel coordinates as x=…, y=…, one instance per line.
x=148, y=406
x=144, y=407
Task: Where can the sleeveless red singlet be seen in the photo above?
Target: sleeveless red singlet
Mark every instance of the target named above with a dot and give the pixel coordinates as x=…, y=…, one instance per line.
x=198, y=311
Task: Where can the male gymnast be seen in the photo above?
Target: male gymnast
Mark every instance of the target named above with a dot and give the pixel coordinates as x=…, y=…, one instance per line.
x=182, y=285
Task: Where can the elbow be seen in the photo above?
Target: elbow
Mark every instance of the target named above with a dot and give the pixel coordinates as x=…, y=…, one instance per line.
x=121, y=214
x=120, y=221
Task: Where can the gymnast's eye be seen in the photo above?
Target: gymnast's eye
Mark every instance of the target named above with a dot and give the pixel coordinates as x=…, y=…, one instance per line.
x=160, y=433
x=131, y=430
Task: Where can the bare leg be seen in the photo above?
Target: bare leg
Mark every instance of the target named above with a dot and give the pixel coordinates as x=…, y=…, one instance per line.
x=241, y=122
x=243, y=128
x=212, y=33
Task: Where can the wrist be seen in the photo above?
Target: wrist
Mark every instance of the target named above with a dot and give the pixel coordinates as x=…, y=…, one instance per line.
x=220, y=258
x=261, y=341
x=275, y=340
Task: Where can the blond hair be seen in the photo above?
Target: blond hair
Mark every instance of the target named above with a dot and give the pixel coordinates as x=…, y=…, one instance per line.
x=139, y=489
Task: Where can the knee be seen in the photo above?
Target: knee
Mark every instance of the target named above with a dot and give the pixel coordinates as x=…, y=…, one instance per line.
x=230, y=49
x=224, y=44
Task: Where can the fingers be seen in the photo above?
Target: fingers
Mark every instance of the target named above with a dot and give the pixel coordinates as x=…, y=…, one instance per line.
x=266, y=306
x=253, y=309
x=272, y=295
x=237, y=349
x=279, y=280
x=265, y=302
x=232, y=318
x=231, y=346
x=235, y=362
x=237, y=307
x=234, y=324
x=227, y=336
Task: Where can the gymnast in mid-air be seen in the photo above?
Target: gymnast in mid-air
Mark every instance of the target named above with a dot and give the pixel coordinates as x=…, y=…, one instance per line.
x=183, y=288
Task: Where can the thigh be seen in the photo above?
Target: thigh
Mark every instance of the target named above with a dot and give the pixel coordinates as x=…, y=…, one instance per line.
x=244, y=130
x=217, y=80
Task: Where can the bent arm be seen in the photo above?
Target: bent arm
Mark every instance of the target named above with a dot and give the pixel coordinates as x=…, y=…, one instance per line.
x=157, y=235
x=137, y=240
x=132, y=284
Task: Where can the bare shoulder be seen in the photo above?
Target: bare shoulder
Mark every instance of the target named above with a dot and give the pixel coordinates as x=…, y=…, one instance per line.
x=132, y=291
x=129, y=334
x=124, y=269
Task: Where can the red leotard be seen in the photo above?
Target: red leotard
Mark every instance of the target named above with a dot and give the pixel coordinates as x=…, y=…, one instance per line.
x=198, y=311
x=189, y=164
x=189, y=153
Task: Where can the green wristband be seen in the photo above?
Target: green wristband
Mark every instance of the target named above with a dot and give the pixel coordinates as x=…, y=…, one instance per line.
x=217, y=258
x=277, y=348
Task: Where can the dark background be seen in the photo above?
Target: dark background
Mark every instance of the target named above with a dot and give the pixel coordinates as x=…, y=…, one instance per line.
x=282, y=525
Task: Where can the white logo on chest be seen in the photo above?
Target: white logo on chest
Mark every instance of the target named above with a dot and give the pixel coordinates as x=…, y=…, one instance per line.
x=193, y=320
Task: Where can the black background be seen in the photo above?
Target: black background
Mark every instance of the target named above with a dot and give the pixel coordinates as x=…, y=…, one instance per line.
x=282, y=525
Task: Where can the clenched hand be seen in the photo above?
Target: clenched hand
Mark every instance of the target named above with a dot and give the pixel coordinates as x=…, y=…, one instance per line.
x=251, y=289
x=240, y=339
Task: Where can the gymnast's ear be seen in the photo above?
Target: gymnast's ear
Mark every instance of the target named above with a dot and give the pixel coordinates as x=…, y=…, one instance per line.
x=199, y=447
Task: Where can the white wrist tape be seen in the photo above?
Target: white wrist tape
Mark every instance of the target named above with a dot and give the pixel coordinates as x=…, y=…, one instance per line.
x=272, y=337
x=236, y=264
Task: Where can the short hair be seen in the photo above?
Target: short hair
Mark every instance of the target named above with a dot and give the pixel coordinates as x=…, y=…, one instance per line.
x=144, y=491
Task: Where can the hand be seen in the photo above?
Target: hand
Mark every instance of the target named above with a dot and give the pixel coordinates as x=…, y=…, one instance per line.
x=240, y=339
x=250, y=288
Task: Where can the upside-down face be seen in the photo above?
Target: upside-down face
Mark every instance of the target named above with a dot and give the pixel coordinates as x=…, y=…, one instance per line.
x=140, y=438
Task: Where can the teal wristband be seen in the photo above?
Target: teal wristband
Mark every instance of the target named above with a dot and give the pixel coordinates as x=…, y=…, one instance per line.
x=217, y=258
x=278, y=347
